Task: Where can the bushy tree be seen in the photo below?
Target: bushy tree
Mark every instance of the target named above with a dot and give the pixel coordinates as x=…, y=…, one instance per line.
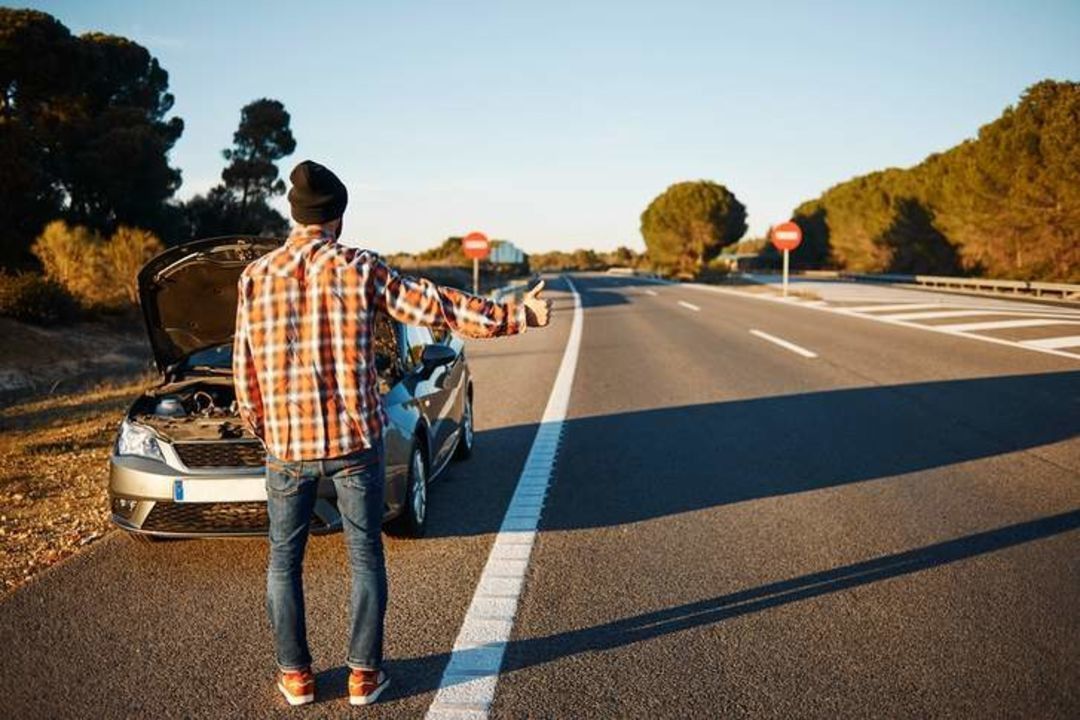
x=241, y=203
x=263, y=138
x=448, y=253
x=83, y=131
x=687, y=225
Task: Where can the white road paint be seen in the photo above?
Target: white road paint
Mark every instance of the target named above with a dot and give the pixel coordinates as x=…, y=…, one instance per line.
x=784, y=344
x=940, y=314
x=889, y=308
x=651, y=292
x=468, y=682
x=1052, y=343
x=1047, y=346
x=690, y=306
x=1006, y=324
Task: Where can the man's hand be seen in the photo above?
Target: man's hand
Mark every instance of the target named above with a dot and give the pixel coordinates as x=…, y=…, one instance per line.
x=537, y=309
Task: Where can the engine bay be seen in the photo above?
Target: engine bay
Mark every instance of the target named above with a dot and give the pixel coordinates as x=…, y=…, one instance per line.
x=196, y=409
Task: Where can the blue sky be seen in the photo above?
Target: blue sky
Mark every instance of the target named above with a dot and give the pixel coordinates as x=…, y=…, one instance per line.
x=554, y=124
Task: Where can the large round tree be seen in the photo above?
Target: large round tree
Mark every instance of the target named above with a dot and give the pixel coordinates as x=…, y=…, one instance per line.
x=688, y=224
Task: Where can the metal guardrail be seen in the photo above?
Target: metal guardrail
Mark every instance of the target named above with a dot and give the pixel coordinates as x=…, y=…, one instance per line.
x=1064, y=291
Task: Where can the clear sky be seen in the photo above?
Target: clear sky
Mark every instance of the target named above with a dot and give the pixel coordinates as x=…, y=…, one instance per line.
x=553, y=123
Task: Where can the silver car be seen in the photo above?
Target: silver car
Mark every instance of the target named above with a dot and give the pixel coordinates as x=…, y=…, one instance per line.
x=184, y=465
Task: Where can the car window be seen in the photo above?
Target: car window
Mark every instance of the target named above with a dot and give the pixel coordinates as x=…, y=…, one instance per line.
x=416, y=337
x=387, y=359
x=440, y=335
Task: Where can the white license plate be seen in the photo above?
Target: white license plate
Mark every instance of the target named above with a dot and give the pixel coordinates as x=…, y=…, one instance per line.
x=238, y=490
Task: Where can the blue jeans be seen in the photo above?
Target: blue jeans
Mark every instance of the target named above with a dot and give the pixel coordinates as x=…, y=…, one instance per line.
x=291, y=493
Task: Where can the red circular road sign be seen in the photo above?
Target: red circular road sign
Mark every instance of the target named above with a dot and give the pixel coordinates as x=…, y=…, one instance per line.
x=786, y=236
x=475, y=245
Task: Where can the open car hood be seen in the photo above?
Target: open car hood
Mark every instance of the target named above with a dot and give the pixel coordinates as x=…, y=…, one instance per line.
x=188, y=294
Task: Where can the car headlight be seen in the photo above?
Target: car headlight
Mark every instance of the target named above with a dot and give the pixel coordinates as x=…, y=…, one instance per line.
x=139, y=441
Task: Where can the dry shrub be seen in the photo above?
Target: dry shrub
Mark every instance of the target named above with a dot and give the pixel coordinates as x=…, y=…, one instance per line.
x=29, y=297
x=99, y=273
x=125, y=254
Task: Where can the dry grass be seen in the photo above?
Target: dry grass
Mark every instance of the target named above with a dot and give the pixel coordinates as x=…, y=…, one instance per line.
x=54, y=476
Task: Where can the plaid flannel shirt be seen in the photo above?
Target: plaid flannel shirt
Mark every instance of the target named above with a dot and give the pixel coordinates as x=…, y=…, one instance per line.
x=303, y=358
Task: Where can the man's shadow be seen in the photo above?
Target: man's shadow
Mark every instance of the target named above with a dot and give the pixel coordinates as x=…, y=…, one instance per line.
x=419, y=675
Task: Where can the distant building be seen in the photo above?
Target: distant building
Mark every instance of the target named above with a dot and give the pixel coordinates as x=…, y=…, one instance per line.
x=504, y=252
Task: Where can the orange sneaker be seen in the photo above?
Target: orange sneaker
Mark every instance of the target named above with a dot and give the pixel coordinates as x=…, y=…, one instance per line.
x=365, y=686
x=298, y=686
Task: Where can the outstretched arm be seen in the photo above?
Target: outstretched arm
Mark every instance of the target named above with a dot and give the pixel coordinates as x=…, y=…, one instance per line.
x=416, y=301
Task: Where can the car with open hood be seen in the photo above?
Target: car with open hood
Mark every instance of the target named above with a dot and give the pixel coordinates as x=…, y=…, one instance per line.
x=184, y=465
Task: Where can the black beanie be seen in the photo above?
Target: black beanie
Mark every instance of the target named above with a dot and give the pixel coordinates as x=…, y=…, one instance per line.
x=317, y=196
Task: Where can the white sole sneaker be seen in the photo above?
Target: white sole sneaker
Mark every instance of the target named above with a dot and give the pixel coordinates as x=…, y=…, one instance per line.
x=296, y=699
x=373, y=696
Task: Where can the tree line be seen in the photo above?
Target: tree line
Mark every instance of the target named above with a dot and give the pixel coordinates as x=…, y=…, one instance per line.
x=1005, y=204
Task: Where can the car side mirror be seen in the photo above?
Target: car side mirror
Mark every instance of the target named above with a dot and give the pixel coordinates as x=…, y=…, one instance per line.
x=435, y=355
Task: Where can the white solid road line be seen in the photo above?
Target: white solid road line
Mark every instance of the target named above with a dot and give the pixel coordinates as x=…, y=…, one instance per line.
x=1052, y=343
x=468, y=682
x=651, y=292
x=784, y=344
x=690, y=306
x=1005, y=324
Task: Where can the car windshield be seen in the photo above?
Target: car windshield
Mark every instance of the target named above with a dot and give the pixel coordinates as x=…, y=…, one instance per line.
x=218, y=357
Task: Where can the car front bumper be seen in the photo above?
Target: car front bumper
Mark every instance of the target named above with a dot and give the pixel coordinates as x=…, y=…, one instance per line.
x=150, y=497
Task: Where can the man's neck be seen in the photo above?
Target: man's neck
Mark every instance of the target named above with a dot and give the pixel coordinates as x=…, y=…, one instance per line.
x=307, y=232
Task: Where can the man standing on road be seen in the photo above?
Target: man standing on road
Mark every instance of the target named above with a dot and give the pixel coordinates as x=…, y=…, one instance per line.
x=306, y=384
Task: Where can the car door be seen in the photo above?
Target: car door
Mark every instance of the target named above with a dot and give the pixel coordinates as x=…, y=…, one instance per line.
x=434, y=392
x=398, y=438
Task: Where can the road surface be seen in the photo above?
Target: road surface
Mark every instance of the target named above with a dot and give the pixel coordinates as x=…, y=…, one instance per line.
x=885, y=524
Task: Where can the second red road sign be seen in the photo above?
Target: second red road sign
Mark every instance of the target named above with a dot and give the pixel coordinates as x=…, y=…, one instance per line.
x=786, y=236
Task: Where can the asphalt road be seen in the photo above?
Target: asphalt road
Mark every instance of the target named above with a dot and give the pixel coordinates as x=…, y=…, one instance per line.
x=888, y=529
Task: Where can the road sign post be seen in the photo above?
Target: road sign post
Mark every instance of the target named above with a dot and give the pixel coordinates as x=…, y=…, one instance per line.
x=786, y=237
x=476, y=246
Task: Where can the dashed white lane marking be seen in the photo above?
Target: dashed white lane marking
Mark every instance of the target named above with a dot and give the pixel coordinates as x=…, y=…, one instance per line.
x=1052, y=343
x=690, y=306
x=1042, y=346
x=468, y=682
x=784, y=344
x=1006, y=324
x=651, y=292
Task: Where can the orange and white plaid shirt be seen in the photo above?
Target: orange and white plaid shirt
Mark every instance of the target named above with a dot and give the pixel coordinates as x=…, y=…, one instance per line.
x=303, y=358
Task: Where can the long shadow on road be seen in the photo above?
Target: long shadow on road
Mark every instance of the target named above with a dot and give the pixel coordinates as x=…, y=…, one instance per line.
x=522, y=654
x=641, y=465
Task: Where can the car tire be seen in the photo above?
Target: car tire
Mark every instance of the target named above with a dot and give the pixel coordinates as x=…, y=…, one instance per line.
x=412, y=522
x=468, y=434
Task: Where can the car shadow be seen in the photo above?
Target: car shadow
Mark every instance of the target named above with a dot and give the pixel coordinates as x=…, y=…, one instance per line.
x=634, y=466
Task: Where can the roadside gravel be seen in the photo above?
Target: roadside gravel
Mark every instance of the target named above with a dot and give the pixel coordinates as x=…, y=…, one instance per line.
x=54, y=476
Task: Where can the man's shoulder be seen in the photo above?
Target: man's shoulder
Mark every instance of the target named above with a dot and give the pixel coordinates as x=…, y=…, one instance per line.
x=359, y=258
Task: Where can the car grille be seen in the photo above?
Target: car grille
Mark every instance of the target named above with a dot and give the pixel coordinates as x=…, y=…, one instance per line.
x=221, y=454
x=215, y=518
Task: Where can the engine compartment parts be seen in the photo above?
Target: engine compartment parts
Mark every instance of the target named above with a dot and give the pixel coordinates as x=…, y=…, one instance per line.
x=202, y=409
x=198, y=401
